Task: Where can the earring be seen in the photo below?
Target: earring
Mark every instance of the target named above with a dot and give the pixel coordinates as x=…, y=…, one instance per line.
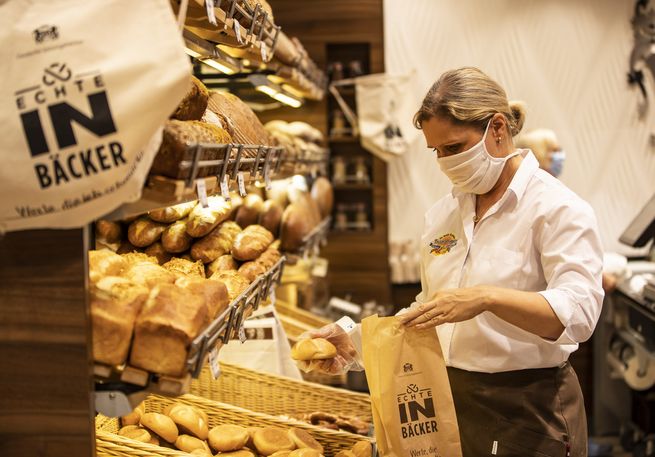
x=499, y=139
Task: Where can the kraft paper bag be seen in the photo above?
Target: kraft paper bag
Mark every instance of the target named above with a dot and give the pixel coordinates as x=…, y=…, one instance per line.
x=413, y=409
x=86, y=87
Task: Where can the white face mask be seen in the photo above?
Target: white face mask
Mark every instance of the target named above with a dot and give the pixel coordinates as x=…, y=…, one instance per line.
x=474, y=171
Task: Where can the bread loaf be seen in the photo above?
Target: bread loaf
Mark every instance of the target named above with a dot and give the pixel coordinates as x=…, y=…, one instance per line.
x=157, y=251
x=228, y=438
x=201, y=453
x=344, y=453
x=175, y=239
x=217, y=243
x=251, y=243
x=170, y=320
x=115, y=304
x=144, y=231
x=362, y=449
x=251, y=270
x=268, y=441
x=109, y=231
x=305, y=452
x=194, y=103
x=126, y=247
x=172, y=213
x=174, y=147
x=269, y=257
x=134, y=432
x=213, y=292
x=183, y=267
x=204, y=220
x=134, y=417
x=223, y=263
x=105, y=263
x=149, y=274
x=311, y=207
x=323, y=194
x=247, y=127
x=271, y=217
x=132, y=258
x=239, y=453
x=234, y=282
x=313, y=349
x=188, y=443
x=281, y=454
x=161, y=425
x=296, y=225
x=189, y=421
x=303, y=439
x=249, y=211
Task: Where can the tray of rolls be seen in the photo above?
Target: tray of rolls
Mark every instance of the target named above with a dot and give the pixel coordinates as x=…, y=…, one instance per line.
x=192, y=425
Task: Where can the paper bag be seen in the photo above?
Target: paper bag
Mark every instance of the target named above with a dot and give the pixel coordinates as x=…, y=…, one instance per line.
x=413, y=409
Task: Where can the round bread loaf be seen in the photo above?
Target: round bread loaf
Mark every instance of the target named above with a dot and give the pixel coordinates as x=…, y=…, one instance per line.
x=189, y=421
x=323, y=194
x=135, y=432
x=305, y=452
x=161, y=425
x=188, y=443
x=239, y=453
x=134, y=417
x=296, y=225
x=271, y=217
x=248, y=212
x=228, y=438
x=303, y=439
x=281, y=454
x=268, y=441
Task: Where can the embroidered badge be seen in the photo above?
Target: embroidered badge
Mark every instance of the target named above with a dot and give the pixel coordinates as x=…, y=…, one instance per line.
x=443, y=244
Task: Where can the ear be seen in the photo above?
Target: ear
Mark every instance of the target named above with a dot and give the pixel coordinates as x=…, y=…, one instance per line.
x=499, y=127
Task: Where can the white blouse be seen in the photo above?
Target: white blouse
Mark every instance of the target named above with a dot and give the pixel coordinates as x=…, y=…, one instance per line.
x=539, y=237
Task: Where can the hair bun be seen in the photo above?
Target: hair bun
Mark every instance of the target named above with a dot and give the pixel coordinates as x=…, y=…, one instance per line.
x=518, y=113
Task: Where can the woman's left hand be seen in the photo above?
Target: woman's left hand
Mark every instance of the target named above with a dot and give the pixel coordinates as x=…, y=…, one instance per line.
x=450, y=305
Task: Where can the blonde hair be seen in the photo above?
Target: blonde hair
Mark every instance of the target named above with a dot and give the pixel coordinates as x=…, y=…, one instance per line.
x=468, y=96
x=540, y=142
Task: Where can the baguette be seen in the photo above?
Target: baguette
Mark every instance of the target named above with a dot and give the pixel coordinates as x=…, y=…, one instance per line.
x=216, y=244
x=251, y=243
x=175, y=238
x=109, y=231
x=172, y=213
x=144, y=231
x=204, y=220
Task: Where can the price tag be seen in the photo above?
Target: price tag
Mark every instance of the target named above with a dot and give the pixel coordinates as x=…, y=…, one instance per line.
x=267, y=178
x=320, y=267
x=264, y=52
x=225, y=188
x=271, y=295
x=242, y=334
x=201, y=188
x=242, y=184
x=237, y=31
x=209, y=6
x=214, y=366
x=314, y=173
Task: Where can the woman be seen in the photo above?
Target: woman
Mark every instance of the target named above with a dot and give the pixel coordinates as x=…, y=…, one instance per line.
x=511, y=277
x=544, y=145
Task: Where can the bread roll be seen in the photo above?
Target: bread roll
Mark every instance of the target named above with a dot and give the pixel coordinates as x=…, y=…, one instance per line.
x=344, y=453
x=182, y=267
x=228, y=438
x=170, y=407
x=239, y=453
x=157, y=251
x=170, y=320
x=188, y=443
x=201, y=452
x=305, y=452
x=269, y=258
x=115, y=304
x=251, y=432
x=134, y=417
x=281, y=454
x=271, y=217
x=109, y=231
x=234, y=282
x=251, y=243
x=313, y=349
x=312, y=208
x=132, y=258
x=175, y=239
x=189, y=421
x=296, y=225
x=134, y=432
x=149, y=274
x=194, y=103
x=223, y=263
x=303, y=439
x=362, y=449
x=213, y=292
x=161, y=425
x=249, y=211
x=268, y=441
x=105, y=263
x=204, y=220
x=323, y=194
x=144, y=231
x=252, y=270
x=126, y=247
x=172, y=213
x=217, y=243
x=278, y=192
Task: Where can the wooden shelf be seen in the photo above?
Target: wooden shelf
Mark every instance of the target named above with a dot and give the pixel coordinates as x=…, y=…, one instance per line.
x=353, y=186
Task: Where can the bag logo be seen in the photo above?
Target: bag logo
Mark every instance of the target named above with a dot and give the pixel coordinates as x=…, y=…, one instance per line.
x=48, y=116
x=45, y=32
x=443, y=245
x=416, y=411
x=408, y=368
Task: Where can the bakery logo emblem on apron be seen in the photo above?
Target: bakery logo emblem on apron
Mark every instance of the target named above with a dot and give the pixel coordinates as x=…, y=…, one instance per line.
x=45, y=32
x=47, y=105
x=417, y=413
x=408, y=368
x=443, y=244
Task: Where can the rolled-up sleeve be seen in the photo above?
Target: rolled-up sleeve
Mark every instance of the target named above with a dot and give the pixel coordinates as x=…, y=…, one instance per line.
x=572, y=261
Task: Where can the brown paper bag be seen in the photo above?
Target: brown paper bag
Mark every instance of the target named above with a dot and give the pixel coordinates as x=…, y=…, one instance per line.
x=413, y=408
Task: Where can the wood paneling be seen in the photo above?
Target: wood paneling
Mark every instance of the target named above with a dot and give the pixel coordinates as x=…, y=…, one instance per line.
x=46, y=377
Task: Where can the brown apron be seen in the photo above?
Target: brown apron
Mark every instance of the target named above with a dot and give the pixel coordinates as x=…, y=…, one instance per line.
x=538, y=412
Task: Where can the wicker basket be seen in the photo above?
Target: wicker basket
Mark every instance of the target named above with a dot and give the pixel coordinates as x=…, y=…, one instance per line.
x=108, y=443
x=277, y=395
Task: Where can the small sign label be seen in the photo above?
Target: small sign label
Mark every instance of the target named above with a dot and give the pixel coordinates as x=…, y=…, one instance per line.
x=214, y=366
x=209, y=5
x=201, y=190
x=267, y=178
x=237, y=31
x=264, y=52
x=242, y=334
x=225, y=188
x=320, y=268
x=241, y=183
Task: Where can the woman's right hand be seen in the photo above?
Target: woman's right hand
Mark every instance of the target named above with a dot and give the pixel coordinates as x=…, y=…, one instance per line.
x=346, y=358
